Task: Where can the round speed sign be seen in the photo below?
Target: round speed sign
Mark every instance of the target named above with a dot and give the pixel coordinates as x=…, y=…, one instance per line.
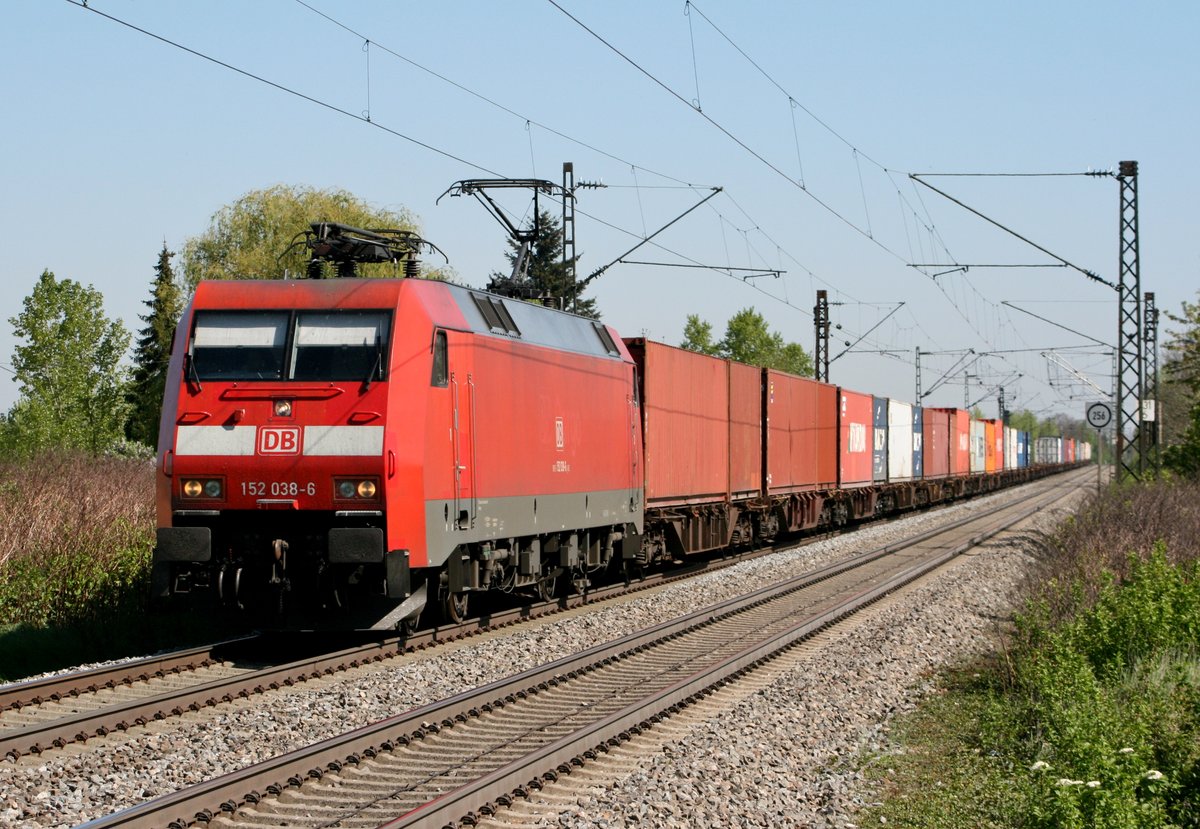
x=1099, y=415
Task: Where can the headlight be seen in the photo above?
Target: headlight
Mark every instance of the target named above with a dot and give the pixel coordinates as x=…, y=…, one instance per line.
x=283, y=408
x=210, y=488
x=356, y=489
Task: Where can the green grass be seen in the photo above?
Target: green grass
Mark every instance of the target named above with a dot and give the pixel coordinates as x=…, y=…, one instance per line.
x=942, y=774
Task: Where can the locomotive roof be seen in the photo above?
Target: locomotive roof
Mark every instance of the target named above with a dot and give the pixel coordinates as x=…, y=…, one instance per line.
x=478, y=311
x=533, y=323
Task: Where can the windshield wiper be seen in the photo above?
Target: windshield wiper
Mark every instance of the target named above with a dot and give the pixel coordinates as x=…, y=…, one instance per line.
x=190, y=373
x=376, y=365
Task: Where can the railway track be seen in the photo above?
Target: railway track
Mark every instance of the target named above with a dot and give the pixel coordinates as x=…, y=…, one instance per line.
x=458, y=758
x=50, y=713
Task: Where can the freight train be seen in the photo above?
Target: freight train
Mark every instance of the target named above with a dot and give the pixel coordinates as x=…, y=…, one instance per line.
x=373, y=447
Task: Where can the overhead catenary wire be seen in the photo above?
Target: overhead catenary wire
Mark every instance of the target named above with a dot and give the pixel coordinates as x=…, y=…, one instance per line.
x=370, y=44
x=638, y=185
x=725, y=131
x=283, y=88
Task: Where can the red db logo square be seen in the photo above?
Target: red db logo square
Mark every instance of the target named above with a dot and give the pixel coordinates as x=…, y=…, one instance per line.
x=279, y=440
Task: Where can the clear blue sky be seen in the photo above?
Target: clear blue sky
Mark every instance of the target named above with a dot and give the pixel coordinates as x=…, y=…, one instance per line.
x=114, y=142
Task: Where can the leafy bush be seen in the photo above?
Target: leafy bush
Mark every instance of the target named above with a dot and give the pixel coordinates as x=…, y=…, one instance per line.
x=1111, y=703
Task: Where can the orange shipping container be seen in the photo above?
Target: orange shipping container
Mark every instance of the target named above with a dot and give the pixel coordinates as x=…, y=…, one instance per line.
x=989, y=446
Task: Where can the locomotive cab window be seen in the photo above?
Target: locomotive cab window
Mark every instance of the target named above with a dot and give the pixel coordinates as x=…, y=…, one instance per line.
x=239, y=345
x=344, y=345
x=441, y=374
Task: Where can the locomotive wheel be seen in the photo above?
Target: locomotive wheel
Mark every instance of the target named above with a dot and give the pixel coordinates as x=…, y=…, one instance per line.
x=454, y=607
x=547, y=588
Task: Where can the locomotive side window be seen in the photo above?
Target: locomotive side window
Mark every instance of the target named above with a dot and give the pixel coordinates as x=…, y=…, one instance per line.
x=344, y=345
x=233, y=345
x=441, y=376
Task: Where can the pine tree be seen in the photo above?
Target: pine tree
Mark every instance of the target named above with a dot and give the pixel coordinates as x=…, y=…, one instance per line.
x=153, y=352
x=548, y=277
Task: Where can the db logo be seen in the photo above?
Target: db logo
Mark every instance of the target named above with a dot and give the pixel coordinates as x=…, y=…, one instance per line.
x=279, y=440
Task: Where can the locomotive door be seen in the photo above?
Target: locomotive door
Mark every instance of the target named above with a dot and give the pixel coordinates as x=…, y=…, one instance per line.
x=462, y=432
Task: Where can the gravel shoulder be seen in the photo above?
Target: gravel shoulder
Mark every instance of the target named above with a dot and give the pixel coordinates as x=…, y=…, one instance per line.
x=781, y=757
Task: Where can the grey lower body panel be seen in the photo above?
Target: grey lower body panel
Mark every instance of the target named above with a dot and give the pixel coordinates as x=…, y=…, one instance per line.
x=524, y=516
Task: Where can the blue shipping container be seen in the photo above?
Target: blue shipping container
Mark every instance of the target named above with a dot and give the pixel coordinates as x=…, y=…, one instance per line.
x=879, y=459
x=918, y=442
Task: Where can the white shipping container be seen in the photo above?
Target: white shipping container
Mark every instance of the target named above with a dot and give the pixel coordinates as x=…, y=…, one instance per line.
x=1010, y=448
x=978, y=446
x=900, y=441
x=1048, y=450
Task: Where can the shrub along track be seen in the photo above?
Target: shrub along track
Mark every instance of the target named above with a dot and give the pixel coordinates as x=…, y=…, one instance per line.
x=459, y=757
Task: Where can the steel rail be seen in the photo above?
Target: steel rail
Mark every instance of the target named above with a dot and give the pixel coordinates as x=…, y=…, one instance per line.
x=249, y=786
x=56, y=733
x=516, y=777
x=55, y=688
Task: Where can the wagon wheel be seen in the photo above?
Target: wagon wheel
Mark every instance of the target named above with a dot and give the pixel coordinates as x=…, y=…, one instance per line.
x=410, y=625
x=454, y=607
x=547, y=587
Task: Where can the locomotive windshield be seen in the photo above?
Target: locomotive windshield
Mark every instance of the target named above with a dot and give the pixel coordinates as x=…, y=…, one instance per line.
x=278, y=345
x=239, y=345
x=343, y=345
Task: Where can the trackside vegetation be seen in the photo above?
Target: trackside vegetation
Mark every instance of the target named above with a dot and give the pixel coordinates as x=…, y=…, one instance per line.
x=1090, y=714
x=75, y=539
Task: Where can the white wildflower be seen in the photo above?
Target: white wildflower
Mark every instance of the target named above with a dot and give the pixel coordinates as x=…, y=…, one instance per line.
x=1125, y=751
x=1153, y=774
x=1066, y=781
x=1093, y=784
x=1040, y=765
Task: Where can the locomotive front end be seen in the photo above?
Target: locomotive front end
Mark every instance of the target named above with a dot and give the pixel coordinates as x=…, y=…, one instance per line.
x=273, y=471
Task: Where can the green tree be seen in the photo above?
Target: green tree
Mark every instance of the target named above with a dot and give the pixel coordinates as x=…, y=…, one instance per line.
x=1024, y=421
x=153, y=352
x=697, y=336
x=1183, y=372
x=248, y=239
x=72, y=383
x=748, y=339
x=548, y=276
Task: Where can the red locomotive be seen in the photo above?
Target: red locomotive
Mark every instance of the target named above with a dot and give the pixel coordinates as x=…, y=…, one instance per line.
x=358, y=442
x=377, y=445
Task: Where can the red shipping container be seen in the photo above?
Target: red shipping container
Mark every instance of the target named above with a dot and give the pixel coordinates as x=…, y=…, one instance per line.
x=689, y=417
x=745, y=430
x=960, y=440
x=936, y=442
x=856, y=438
x=989, y=446
x=801, y=433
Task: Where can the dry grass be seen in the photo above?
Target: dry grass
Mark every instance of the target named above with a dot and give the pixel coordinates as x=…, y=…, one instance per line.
x=75, y=536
